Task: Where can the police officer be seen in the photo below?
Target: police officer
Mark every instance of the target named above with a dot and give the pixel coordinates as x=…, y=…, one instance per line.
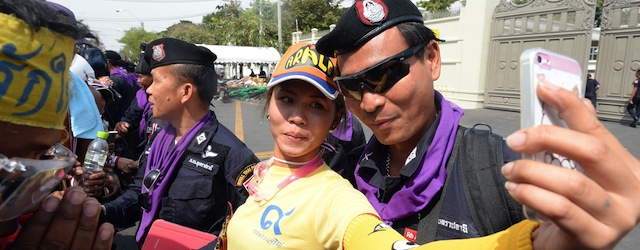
x=190, y=169
x=634, y=101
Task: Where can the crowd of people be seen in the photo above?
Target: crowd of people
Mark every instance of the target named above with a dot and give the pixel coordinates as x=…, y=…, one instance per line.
x=421, y=181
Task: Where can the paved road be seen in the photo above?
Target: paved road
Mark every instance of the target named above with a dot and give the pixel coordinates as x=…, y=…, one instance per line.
x=247, y=120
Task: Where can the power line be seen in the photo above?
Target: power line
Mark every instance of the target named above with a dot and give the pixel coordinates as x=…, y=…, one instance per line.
x=153, y=19
x=160, y=1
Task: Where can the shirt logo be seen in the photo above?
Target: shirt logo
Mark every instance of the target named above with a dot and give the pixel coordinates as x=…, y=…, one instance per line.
x=366, y=156
x=410, y=234
x=201, y=137
x=266, y=222
x=208, y=153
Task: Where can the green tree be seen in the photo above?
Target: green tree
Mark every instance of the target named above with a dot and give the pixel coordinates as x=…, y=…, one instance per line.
x=433, y=5
x=132, y=39
x=598, y=17
x=190, y=32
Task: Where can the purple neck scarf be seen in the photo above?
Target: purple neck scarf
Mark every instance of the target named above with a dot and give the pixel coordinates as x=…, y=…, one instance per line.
x=145, y=106
x=425, y=183
x=344, y=131
x=129, y=78
x=160, y=157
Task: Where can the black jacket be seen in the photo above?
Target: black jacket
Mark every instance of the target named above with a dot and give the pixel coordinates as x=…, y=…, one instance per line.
x=201, y=188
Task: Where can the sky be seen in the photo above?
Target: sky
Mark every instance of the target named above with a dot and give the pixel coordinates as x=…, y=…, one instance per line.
x=109, y=24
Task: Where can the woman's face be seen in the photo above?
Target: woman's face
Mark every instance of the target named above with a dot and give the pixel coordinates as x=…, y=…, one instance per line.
x=300, y=118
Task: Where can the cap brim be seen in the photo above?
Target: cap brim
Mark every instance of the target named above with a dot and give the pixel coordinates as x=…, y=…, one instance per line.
x=320, y=84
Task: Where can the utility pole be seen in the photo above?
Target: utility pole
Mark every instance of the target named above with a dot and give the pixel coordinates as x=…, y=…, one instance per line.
x=260, y=32
x=279, y=29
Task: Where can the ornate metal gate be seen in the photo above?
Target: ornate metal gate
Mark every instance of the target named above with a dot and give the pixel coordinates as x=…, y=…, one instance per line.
x=618, y=56
x=563, y=26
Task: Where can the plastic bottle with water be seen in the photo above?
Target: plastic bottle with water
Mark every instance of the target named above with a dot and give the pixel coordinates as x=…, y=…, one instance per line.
x=96, y=154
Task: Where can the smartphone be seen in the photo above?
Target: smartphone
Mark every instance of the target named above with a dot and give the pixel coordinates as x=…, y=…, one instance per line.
x=543, y=66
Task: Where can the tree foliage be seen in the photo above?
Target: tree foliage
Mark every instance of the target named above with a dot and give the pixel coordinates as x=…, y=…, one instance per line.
x=433, y=5
x=132, y=39
x=229, y=24
x=190, y=32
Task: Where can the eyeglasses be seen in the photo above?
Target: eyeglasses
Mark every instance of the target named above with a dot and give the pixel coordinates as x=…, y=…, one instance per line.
x=25, y=182
x=148, y=181
x=378, y=78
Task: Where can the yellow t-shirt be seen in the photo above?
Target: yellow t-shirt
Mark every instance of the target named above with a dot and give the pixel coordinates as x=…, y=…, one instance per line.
x=310, y=213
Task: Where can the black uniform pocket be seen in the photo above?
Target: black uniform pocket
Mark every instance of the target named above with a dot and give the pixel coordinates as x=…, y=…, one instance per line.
x=189, y=200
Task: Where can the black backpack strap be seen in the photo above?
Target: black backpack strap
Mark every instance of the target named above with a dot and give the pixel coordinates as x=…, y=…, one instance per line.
x=427, y=225
x=481, y=157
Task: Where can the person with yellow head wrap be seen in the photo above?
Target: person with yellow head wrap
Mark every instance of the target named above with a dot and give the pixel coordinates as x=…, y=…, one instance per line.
x=36, y=49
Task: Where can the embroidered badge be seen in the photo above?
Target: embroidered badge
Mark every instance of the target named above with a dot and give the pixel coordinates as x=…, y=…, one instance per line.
x=410, y=234
x=244, y=175
x=158, y=52
x=208, y=153
x=411, y=156
x=371, y=12
x=201, y=138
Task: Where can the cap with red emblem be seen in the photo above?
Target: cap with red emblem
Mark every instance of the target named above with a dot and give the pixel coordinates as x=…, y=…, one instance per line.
x=365, y=20
x=167, y=51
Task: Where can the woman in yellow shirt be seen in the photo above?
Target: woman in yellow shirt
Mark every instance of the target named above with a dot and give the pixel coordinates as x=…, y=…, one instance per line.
x=297, y=202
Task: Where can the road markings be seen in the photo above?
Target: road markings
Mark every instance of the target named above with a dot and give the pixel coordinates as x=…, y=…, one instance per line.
x=240, y=132
x=239, y=127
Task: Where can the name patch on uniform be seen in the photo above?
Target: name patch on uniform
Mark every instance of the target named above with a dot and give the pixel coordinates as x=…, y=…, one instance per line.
x=244, y=175
x=196, y=163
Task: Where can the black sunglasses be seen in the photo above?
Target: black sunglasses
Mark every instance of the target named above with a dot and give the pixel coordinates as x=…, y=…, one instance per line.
x=378, y=78
x=148, y=181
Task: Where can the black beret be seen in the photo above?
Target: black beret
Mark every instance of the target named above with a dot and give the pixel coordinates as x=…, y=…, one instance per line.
x=143, y=68
x=365, y=20
x=112, y=55
x=167, y=51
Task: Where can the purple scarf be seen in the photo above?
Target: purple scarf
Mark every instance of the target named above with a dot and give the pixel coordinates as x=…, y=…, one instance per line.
x=131, y=79
x=344, y=131
x=167, y=161
x=427, y=180
x=145, y=106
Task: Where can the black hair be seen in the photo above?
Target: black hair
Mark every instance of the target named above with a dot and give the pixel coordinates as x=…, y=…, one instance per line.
x=203, y=77
x=37, y=14
x=415, y=34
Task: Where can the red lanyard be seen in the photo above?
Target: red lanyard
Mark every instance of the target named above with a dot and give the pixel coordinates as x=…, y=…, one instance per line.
x=261, y=169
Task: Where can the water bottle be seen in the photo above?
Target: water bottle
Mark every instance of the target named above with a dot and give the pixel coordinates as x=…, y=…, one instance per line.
x=96, y=154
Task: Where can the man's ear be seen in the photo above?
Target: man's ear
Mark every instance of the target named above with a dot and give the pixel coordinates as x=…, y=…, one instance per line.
x=188, y=92
x=432, y=55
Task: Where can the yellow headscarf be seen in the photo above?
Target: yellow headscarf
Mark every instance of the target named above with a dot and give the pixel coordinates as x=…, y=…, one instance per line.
x=34, y=83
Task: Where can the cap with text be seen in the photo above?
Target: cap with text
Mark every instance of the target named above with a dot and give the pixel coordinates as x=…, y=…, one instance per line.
x=303, y=62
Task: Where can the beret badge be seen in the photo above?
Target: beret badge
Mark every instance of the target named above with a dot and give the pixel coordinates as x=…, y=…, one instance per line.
x=158, y=52
x=371, y=12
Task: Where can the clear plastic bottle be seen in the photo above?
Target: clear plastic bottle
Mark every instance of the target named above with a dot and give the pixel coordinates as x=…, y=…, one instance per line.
x=96, y=154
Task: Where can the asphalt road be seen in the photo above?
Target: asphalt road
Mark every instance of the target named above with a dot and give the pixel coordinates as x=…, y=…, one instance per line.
x=246, y=119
